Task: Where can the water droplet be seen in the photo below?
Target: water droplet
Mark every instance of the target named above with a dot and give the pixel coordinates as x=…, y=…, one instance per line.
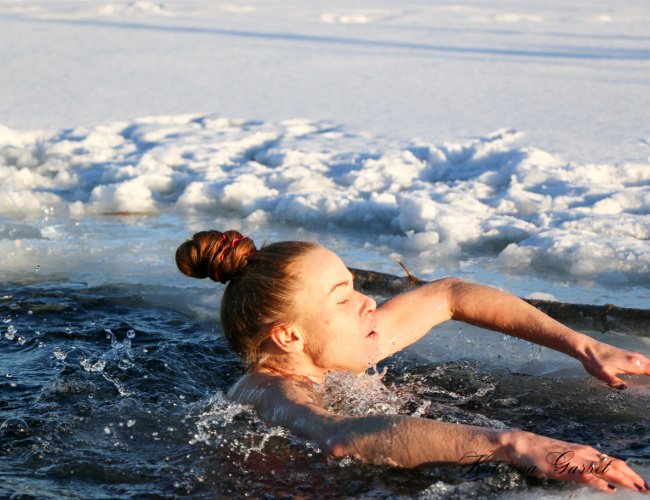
x=130, y=334
x=37, y=268
x=59, y=354
x=6, y=320
x=110, y=335
x=130, y=423
x=107, y=430
x=11, y=332
x=89, y=366
x=29, y=313
x=22, y=340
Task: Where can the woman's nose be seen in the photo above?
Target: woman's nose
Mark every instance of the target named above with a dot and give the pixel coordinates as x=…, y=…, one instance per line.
x=368, y=305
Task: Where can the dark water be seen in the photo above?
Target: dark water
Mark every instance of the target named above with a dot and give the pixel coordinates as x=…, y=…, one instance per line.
x=107, y=394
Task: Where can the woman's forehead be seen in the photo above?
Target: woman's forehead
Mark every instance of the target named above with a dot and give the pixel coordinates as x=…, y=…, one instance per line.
x=321, y=268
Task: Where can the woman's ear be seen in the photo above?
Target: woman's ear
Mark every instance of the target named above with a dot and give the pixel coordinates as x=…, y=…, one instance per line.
x=287, y=338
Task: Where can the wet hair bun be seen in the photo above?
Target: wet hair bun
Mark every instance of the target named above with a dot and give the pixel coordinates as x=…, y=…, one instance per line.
x=214, y=255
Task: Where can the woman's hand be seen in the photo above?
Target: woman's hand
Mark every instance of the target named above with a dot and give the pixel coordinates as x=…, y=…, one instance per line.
x=605, y=362
x=555, y=459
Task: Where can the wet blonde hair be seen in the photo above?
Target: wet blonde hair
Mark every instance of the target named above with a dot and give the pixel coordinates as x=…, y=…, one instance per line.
x=261, y=284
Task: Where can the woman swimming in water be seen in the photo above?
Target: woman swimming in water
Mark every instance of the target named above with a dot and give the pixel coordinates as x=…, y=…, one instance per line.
x=291, y=312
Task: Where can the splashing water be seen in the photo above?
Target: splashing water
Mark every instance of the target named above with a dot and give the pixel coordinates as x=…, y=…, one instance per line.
x=119, y=352
x=221, y=413
x=365, y=394
x=235, y=427
x=423, y=395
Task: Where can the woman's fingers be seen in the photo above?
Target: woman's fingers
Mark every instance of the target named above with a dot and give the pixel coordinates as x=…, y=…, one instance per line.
x=610, y=378
x=634, y=364
x=600, y=483
x=613, y=472
x=555, y=459
x=620, y=473
x=606, y=362
x=586, y=465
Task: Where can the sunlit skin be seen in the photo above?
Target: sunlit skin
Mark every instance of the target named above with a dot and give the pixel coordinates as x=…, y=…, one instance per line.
x=334, y=327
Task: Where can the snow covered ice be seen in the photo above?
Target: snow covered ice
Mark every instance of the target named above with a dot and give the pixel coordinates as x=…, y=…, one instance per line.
x=488, y=197
x=486, y=140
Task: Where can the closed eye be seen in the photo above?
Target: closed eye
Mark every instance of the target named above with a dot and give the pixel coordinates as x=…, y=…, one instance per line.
x=344, y=301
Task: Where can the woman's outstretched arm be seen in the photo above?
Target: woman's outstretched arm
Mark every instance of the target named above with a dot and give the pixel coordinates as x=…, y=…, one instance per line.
x=406, y=441
x=407, y=317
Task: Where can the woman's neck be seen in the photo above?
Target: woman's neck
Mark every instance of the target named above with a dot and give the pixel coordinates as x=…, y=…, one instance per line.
x=269, y=366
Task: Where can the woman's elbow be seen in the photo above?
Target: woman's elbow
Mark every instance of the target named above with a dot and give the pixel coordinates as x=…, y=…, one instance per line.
x=450, y=282
x=348, y=442
x=454, y=290
x=368, y=439
x=337, y=450
x=450, y=288
x=363, y=452
x=340, y=447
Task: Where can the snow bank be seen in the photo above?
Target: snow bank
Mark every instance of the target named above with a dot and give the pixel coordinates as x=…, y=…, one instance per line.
x=485, y=197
